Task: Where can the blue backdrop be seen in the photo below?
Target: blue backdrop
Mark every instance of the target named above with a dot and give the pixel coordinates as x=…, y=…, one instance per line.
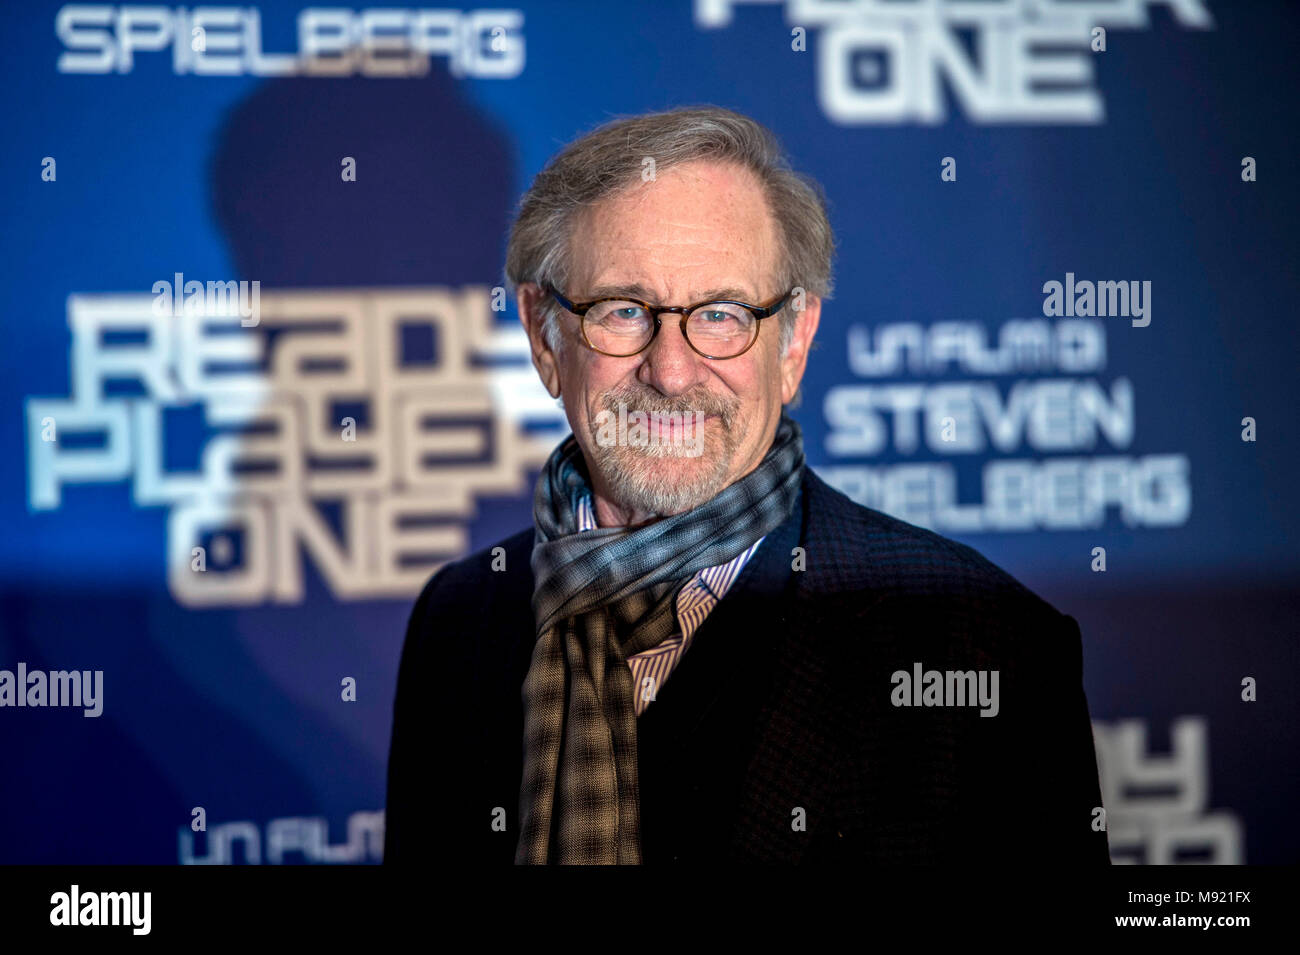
x=187, y=513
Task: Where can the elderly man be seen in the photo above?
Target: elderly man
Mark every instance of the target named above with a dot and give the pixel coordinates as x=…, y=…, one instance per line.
x=701, y=652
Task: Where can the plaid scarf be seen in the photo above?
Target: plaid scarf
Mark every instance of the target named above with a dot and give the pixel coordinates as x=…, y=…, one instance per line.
x=600, y=597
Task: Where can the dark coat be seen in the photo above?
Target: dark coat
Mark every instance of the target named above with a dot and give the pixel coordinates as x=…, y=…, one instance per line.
x=776, y=739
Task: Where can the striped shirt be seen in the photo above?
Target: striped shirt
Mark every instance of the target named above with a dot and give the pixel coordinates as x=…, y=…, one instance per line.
x=701, y=594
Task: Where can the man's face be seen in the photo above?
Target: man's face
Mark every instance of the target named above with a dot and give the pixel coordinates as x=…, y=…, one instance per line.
x=699, y=231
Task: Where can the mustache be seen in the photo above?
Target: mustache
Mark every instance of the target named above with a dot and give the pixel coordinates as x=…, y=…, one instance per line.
x=700, y=402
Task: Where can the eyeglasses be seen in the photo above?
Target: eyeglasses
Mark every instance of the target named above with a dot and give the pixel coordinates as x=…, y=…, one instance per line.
x=623, y=327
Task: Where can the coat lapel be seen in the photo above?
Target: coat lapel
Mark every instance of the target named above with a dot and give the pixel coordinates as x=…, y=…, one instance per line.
x=738, y=729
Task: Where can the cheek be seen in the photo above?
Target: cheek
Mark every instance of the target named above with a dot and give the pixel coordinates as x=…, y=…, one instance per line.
x=577, y=375
x=585, y=383
x=762, y=380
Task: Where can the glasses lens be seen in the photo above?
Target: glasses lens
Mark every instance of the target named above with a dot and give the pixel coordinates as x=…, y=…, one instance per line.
x=618, y=328
x=721, y=329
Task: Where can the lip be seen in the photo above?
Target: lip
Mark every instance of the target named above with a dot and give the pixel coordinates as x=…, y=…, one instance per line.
x=670, y=428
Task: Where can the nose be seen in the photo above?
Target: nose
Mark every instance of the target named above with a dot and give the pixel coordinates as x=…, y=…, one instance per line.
x=670, y=365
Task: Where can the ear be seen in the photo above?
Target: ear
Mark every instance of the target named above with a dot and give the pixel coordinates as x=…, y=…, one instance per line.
x=795, y=359
x=529, y=298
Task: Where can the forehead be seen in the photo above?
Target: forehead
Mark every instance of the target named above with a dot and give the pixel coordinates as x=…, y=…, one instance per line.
x=697, y=228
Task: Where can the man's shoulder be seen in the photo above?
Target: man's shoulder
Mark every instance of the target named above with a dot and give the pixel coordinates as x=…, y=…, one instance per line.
x=858, y=548
x=482, y=584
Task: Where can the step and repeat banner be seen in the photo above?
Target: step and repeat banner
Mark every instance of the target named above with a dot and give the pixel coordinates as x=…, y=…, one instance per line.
x=261, y=377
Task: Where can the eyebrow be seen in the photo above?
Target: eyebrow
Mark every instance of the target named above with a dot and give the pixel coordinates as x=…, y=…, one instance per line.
x=638, y=291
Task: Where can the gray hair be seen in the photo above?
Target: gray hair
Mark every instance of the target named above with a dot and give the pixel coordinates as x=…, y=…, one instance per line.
x=611, y=157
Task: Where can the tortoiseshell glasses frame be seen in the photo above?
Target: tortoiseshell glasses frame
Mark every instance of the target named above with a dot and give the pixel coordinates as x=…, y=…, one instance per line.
x=581, y=309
